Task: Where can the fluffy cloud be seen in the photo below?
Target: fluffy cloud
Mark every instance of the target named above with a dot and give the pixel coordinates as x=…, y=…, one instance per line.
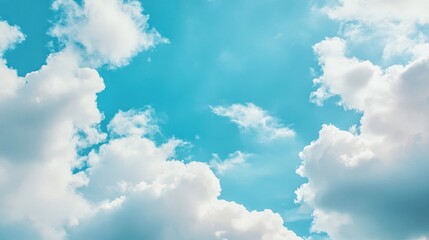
x=46, y=116
x=138, y=123
x=396, y=26
x=10, y=36
x=166, y=198
x=370, y=183
x=110, y=31
x=234, y=160
x=49, y=191
x=252, y=118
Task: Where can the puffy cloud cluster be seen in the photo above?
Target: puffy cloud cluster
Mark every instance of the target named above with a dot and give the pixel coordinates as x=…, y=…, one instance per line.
x=252, y=118
x=110, y=32
x=127, y=187
x=165, y=198
x=46, y=116
x=370, y=182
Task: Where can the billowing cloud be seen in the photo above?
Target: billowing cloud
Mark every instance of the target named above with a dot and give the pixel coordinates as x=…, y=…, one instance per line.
x=164, y=197
x=250, y=117
x=46, y=116
x=128, y=186
x=109, y=31
x=370, y=183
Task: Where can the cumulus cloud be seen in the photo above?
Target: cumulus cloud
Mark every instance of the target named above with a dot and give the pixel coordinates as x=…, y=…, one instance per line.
x=370, y=183
x=348, y=76
x=233, y=160
x=50, y=191
x=41, y=118
x=164, y=197
x=109, y=31
x=250, y=117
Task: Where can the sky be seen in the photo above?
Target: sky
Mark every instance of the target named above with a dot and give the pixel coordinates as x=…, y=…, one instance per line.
x=214, y=119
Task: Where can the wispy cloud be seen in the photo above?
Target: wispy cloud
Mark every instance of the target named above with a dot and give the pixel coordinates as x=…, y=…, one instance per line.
x=232, y=161
x=250, y=117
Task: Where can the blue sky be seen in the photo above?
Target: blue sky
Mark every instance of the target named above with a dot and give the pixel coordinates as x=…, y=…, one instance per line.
x=336, y=76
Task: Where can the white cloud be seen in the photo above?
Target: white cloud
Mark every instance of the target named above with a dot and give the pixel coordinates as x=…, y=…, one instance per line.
x=353, y=78
x=396, y=26
x=110, y=31
x=166, y=199
x=138, y=123
x=371, y=182
x=375, y=11
x=252, y=118
x=9, y=37
x=234, y=160
x=50, y=114
x=39, y=123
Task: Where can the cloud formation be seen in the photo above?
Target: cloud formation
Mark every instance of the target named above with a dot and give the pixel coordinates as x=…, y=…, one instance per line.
x=250, y=117
x=133, y=123
x=10, y=36
x=128, y=186
x=109, y=32
x=370, y=183
x=233, y=160
x=374, y=11
x=46, y=116
x=166, y=198
x=398, y=27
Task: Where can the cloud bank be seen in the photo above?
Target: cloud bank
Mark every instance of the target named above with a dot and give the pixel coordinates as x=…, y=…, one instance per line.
x=371, y=183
